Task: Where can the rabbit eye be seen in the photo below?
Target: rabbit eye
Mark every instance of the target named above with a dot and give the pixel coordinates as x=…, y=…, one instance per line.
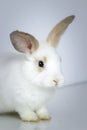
x=41, y=64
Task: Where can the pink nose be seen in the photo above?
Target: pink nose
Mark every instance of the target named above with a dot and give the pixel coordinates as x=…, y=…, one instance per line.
x=56, y=82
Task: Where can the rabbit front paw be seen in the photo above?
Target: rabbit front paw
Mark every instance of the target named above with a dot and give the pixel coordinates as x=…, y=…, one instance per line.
x=43, y=114
x=29, y=116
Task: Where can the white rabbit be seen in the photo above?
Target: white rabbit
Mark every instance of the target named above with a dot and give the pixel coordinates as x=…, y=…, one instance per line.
x=26, y=83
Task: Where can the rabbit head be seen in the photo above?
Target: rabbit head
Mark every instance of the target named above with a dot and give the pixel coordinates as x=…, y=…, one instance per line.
x=43, y=64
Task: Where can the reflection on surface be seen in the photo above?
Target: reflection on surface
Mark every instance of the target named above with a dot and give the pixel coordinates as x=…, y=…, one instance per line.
x=13, y=122
x=42, y=125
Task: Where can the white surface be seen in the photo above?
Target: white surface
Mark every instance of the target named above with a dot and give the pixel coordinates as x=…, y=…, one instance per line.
x=38, y=17
x=68, y=109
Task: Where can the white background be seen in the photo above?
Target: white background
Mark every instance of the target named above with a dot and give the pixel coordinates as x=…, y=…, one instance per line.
x=38, y=17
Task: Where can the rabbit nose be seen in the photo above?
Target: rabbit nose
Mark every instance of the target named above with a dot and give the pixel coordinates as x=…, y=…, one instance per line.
x=56, y=82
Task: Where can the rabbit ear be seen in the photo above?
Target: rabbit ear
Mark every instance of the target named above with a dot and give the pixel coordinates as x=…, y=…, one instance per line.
x=24, y=42
x=58, y=30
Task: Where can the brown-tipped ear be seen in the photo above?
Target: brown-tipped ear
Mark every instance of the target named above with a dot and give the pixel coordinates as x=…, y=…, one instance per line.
x=24, y=42
x=58, y=30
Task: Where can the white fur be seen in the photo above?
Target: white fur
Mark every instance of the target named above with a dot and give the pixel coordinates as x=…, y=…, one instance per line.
x=22, y=87
x=25, y=87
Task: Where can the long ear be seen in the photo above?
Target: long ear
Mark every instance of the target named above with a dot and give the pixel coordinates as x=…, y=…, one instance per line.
x=24, y=42
x=58, y=30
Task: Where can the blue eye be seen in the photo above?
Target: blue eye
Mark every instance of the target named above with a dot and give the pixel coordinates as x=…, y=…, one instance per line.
x=41, y=64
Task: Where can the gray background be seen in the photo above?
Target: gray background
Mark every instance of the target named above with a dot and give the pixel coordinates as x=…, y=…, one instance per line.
x=69, y=105
x=38, y=17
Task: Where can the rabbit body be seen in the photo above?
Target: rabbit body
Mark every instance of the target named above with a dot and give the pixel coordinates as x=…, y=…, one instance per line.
x=16, y=91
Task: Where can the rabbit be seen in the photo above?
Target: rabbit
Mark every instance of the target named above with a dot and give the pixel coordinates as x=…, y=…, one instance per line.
x=28, y=80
